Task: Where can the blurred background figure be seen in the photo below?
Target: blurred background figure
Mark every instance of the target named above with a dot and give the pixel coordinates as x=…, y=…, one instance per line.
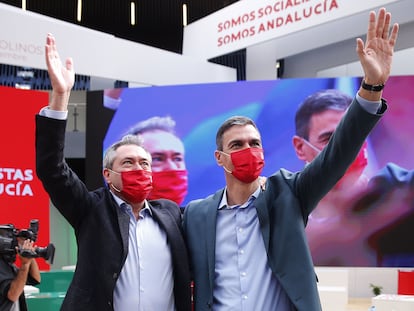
x=393, y=187
x=315, y=122
x=391, y=193
x=112, y=98
x=169, y=173
x=359, y=215
x=170, y=177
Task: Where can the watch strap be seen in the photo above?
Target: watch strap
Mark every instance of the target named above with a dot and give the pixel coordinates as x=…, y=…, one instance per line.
x=372, y=88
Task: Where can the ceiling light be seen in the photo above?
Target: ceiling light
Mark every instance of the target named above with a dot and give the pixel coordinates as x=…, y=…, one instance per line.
x=132, y=13
x=79, y=11
x=184, y=14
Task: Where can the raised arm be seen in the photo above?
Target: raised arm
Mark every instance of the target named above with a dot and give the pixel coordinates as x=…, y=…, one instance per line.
x=376, y=53
x=61, y=77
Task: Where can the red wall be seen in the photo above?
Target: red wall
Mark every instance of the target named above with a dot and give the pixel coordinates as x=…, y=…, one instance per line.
x=22, y=196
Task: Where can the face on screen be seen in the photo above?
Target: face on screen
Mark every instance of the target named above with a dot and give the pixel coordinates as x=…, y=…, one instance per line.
x=321, y=128
x=166, y=149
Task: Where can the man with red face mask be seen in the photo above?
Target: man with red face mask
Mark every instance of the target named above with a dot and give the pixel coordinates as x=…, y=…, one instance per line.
x=131, y=251
x=248, y=246
x=335, y=228
x=169, y=174
x=315, y=122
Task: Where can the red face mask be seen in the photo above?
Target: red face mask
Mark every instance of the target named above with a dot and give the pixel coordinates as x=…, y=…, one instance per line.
x=354, y=171
x=248, y=164
x=172, y=185
x=136, y=185
x=356, y=168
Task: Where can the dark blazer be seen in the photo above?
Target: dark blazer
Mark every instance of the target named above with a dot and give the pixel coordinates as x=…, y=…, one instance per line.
x=101, y=227
x=283, y=210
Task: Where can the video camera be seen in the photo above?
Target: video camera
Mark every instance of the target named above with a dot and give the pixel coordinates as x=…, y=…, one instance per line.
x=9, y=242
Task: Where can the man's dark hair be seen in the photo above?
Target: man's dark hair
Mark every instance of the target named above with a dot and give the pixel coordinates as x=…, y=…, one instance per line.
x=230, y=122
x=316, y=103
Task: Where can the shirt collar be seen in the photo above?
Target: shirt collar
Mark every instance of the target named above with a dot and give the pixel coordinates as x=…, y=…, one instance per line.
x=119, y=201
x=223, y=203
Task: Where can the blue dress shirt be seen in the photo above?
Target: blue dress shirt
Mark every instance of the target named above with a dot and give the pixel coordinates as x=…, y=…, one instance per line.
x=146, y=279
x=243, y=278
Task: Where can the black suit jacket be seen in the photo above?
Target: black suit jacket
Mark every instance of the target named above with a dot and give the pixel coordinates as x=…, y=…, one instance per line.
x=101, y=227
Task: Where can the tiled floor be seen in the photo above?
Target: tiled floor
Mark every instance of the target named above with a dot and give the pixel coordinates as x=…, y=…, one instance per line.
x=358, y=304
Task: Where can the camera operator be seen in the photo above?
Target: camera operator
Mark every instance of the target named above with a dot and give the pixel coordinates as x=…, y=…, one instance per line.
x=13, y=279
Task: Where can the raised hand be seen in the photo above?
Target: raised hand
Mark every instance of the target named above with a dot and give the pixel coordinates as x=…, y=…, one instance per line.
x=61, y=77
x=376, y=53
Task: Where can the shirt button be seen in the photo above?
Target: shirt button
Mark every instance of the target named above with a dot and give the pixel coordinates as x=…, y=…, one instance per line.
x=243, y=274
x=241, y=252
x=244, y=297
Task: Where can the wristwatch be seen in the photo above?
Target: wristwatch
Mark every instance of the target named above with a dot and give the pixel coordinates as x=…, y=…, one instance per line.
x=372, y=88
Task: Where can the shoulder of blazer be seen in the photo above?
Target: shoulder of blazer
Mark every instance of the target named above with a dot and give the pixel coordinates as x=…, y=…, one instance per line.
x=215, y=197
x=103, y=194
x=103, y=197
x=285, y=176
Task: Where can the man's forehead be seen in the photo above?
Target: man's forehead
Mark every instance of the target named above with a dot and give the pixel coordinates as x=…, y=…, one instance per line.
x=241, y=132
x=326, y=121
x=132, y=151
x=161, y=140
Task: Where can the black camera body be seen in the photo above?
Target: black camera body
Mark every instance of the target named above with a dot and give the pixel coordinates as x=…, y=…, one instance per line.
x=9, y=242
x=31, y=232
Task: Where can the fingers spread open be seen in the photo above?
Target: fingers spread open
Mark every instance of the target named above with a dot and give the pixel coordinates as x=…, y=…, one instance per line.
x=394, y=34
x=380, y=24
x=371, y=26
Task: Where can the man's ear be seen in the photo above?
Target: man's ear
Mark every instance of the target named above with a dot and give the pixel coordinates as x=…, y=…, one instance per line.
x=218, y=155
x=105, y=173
x=298, y=144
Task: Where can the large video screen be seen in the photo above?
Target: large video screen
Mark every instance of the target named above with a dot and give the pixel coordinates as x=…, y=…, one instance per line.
x=371, y=227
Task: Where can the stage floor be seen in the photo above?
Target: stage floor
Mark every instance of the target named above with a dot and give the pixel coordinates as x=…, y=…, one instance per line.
x=357, y=304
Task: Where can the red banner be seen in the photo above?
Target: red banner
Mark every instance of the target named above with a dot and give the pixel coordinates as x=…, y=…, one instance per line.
x=22, y=197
